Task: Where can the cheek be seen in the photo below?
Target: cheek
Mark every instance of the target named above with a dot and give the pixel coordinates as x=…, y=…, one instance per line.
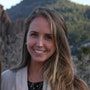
x=29, y=40
x=51, y=47
x=29, y=47
x=30, y=43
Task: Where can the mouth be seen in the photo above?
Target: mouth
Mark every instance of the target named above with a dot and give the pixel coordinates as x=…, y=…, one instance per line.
x=39, y=51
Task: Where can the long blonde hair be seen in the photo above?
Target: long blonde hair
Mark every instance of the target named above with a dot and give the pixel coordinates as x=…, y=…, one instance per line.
x=58, y=70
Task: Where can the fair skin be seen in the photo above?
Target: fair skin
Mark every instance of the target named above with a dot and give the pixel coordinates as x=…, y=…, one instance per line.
x=40, y=45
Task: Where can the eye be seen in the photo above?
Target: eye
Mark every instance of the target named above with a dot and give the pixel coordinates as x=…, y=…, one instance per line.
x=48, y=37
x=33, y=34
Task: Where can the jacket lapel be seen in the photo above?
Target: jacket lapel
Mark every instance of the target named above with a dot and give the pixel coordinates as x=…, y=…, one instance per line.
x=21, y=79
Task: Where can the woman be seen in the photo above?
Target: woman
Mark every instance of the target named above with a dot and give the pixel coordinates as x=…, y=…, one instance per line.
x=46, y=58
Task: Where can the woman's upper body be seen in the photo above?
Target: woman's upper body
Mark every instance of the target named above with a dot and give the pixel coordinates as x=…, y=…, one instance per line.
x=17, y=80
x=46, y=54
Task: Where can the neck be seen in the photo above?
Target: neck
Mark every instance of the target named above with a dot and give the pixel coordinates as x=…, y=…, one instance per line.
x=35, y=72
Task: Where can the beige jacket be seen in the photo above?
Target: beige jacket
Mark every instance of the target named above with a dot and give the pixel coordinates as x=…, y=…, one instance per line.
x=17, y=80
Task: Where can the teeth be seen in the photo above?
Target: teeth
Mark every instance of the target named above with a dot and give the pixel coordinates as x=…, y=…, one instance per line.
x=39, y=51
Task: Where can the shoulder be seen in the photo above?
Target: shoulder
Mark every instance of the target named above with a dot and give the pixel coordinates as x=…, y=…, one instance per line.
x=7, y=76
x=7, y=73
x=7, y=79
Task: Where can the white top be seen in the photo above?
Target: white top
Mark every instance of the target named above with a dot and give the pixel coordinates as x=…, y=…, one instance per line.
x=17, y=80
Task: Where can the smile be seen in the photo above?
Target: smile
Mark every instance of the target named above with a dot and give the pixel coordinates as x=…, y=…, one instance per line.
x=39, y=51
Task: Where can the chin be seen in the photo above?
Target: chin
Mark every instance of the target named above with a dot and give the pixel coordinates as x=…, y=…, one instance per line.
x=39, y=59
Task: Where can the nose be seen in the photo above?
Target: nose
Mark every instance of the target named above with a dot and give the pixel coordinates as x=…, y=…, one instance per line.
x=40, y=42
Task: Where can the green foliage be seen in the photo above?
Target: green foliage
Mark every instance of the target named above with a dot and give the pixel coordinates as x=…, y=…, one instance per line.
x=85, y=50
x=77, y=16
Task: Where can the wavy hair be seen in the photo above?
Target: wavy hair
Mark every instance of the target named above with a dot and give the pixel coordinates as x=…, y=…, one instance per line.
x=58, y=70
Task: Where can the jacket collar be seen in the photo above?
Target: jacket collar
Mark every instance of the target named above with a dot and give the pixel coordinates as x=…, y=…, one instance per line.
x=21, y=80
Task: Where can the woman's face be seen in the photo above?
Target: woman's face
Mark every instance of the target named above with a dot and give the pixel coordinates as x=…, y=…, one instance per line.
x=40, y=41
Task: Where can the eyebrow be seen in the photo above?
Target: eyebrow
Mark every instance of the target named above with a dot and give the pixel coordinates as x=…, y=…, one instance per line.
x=45, y=33
x=33, y=32
x=49, y=34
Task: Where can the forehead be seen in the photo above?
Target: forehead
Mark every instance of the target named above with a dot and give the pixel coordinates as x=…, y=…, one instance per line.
x=40, y=23
x=39, y=19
